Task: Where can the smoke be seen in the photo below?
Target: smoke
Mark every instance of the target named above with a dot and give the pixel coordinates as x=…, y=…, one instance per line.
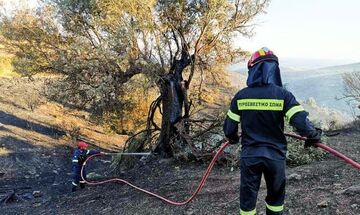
x=326, y=117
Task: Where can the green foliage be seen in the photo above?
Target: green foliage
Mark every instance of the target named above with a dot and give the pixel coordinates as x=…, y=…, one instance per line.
x=135, y=144
x=69, y=39
x=98, y=46
x=298, y=155
x=132, y=117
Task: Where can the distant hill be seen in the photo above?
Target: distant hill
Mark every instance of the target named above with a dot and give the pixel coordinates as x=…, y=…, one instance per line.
x=347, y=68
x=325, y=85
x=333, y=70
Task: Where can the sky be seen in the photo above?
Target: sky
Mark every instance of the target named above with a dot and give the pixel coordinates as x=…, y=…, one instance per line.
x=16, y=3
x=313, y=33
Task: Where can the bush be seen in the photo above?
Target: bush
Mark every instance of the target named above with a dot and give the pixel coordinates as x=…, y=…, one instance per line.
x=134, y=144
x=298, y=155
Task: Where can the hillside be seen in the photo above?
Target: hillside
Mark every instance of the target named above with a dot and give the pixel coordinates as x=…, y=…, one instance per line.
x=36, y=153
x=327, y=87
x=354, y=67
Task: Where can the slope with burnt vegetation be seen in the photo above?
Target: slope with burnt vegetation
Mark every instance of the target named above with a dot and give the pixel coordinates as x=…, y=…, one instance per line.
x=35, y=173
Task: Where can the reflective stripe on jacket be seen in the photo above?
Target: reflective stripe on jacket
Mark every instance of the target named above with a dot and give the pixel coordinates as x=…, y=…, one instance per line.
x=261, y=109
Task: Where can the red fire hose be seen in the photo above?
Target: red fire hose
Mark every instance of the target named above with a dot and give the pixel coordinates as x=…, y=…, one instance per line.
x=207, y=172
x=201, y=184
x=330, y=150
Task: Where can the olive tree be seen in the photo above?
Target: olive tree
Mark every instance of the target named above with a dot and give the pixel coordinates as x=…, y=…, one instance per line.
x=98, y=46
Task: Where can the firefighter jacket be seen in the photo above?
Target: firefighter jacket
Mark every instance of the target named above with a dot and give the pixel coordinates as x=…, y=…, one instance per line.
x=79, y=157
x=261, y=108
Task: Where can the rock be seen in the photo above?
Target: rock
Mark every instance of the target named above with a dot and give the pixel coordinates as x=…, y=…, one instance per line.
x=354, y=206
x=190, y=211
x=37, y=204
x=27, y=196
x=294, y=176
x=321, y=188
x=56, y=172
x=93, y=175
x=216, y=137
x=37, y=193
x=165, y=161
x=338, y=192
x=144, y=159
x=323, y=204
x=105, y=161
x=32, y=172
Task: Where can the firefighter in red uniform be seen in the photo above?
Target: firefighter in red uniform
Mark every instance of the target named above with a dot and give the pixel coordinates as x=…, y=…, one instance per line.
x=261, y=108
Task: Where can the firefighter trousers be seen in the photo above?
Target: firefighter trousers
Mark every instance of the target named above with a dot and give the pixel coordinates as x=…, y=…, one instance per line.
x=251, y=171
x=77, y=180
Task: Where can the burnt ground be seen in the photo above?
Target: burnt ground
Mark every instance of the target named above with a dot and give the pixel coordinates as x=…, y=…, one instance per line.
x=35, y=156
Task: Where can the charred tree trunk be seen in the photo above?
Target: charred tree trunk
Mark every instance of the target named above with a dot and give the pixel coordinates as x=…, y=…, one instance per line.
x=174, y=98
x=172, y=105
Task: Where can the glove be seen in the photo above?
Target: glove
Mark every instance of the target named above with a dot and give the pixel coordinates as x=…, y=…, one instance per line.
x=81, y=159
x=315, y=138
x=232, y=141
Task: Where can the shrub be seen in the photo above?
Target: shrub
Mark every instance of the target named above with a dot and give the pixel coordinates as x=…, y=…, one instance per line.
x=133, y=144
x=298, y=155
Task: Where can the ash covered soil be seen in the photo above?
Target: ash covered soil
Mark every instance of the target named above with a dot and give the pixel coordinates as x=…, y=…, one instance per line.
x=35, y=174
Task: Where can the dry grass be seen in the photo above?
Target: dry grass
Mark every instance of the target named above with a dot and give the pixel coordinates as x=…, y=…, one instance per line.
x=4, y=151
x=22, y=99
x=6, y=69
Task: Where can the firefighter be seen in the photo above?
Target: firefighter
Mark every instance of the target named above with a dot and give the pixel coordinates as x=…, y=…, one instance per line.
x=80, y=155
x=261, y=108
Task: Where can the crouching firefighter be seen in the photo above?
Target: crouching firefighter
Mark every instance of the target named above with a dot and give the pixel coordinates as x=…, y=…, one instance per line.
x=80, y=155
x=261, y=107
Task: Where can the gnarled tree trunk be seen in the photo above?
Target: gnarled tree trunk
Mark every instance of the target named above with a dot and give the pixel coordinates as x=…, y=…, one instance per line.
x=172, y=106
x=173, y=91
